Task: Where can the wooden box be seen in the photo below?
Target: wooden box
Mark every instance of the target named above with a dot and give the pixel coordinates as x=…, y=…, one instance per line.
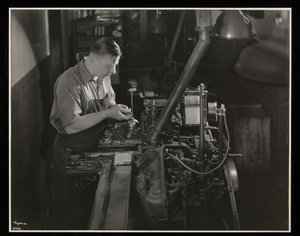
x=251, y=138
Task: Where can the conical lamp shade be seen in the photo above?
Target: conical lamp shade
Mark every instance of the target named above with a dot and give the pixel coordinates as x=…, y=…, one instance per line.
x=231, y=25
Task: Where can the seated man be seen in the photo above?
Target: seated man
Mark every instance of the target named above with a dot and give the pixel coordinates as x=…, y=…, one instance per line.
x=83, y=101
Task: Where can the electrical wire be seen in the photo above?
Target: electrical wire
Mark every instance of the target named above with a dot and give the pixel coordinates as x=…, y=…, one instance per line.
x=214, y=169
x=245, y=18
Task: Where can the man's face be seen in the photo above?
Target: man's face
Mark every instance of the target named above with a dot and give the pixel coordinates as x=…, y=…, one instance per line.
x=111, y=65
x=105, y=66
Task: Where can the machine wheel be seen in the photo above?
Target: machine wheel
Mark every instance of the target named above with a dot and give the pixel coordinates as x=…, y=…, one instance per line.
x=228, y=205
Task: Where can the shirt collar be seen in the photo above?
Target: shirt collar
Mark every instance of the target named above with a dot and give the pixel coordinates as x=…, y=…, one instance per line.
x=95, y=78
x=85, y=74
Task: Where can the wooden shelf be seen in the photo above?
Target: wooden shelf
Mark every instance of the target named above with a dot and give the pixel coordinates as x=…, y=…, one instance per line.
x=86, y=30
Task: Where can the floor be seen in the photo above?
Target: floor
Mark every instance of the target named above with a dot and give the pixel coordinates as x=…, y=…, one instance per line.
x=263, y=203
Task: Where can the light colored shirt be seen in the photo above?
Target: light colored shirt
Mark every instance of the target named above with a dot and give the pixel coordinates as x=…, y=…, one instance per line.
x=77, y=93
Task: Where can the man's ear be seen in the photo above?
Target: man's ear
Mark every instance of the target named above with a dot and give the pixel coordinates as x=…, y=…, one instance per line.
x=108, y=66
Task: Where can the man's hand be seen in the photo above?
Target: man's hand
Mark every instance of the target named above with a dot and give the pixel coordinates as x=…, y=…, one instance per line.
x=123, y=106
x=119, y=112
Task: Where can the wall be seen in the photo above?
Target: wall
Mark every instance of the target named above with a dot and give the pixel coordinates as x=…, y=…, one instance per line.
x=31, y=72
x=67, y=17
x=29, y=40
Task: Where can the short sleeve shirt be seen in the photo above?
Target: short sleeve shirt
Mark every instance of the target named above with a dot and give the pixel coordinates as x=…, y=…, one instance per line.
x=77, y=93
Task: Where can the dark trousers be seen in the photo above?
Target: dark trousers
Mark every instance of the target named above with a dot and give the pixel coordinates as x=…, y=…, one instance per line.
x=68, y=202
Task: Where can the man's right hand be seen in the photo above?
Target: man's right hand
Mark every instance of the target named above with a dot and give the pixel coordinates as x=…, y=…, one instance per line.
x=119, y=113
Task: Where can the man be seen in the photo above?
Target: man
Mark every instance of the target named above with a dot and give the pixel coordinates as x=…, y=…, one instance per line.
x=83, y=101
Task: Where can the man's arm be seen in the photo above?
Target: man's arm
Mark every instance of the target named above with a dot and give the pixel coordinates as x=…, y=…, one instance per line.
x=89, y=120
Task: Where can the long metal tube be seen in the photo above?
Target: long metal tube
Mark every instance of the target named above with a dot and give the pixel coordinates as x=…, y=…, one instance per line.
x=181, y=85
x=176, y=36
x=220, y=137
x=221, y=114
x=201, y=121
x=205, y=107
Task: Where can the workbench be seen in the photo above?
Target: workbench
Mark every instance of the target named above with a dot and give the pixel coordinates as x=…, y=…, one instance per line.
x=111, y=205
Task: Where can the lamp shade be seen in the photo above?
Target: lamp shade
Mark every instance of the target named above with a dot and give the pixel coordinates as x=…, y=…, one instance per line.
x=232, y=25
x=265, y=61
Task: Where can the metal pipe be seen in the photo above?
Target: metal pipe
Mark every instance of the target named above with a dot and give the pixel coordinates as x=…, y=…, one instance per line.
x=181, y=85
x=220, y=137
x=201, y=120
x=221, y=114
x=205, y=107
x=176, y=36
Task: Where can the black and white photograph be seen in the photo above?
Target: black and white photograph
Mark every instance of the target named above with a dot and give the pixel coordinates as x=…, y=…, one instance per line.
x=149, y=119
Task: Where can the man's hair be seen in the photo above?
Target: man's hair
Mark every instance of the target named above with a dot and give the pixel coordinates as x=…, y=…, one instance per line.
x=106, y=46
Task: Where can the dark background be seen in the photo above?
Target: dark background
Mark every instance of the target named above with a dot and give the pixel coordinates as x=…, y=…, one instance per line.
x=27, y=158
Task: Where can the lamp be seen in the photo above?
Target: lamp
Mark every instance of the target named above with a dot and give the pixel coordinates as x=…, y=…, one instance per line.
x=157, y=25
x=267, y=60
x=233, y=25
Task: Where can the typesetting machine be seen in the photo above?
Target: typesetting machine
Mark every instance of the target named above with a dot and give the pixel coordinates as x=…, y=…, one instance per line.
x=189, y=167
x=175, y=162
